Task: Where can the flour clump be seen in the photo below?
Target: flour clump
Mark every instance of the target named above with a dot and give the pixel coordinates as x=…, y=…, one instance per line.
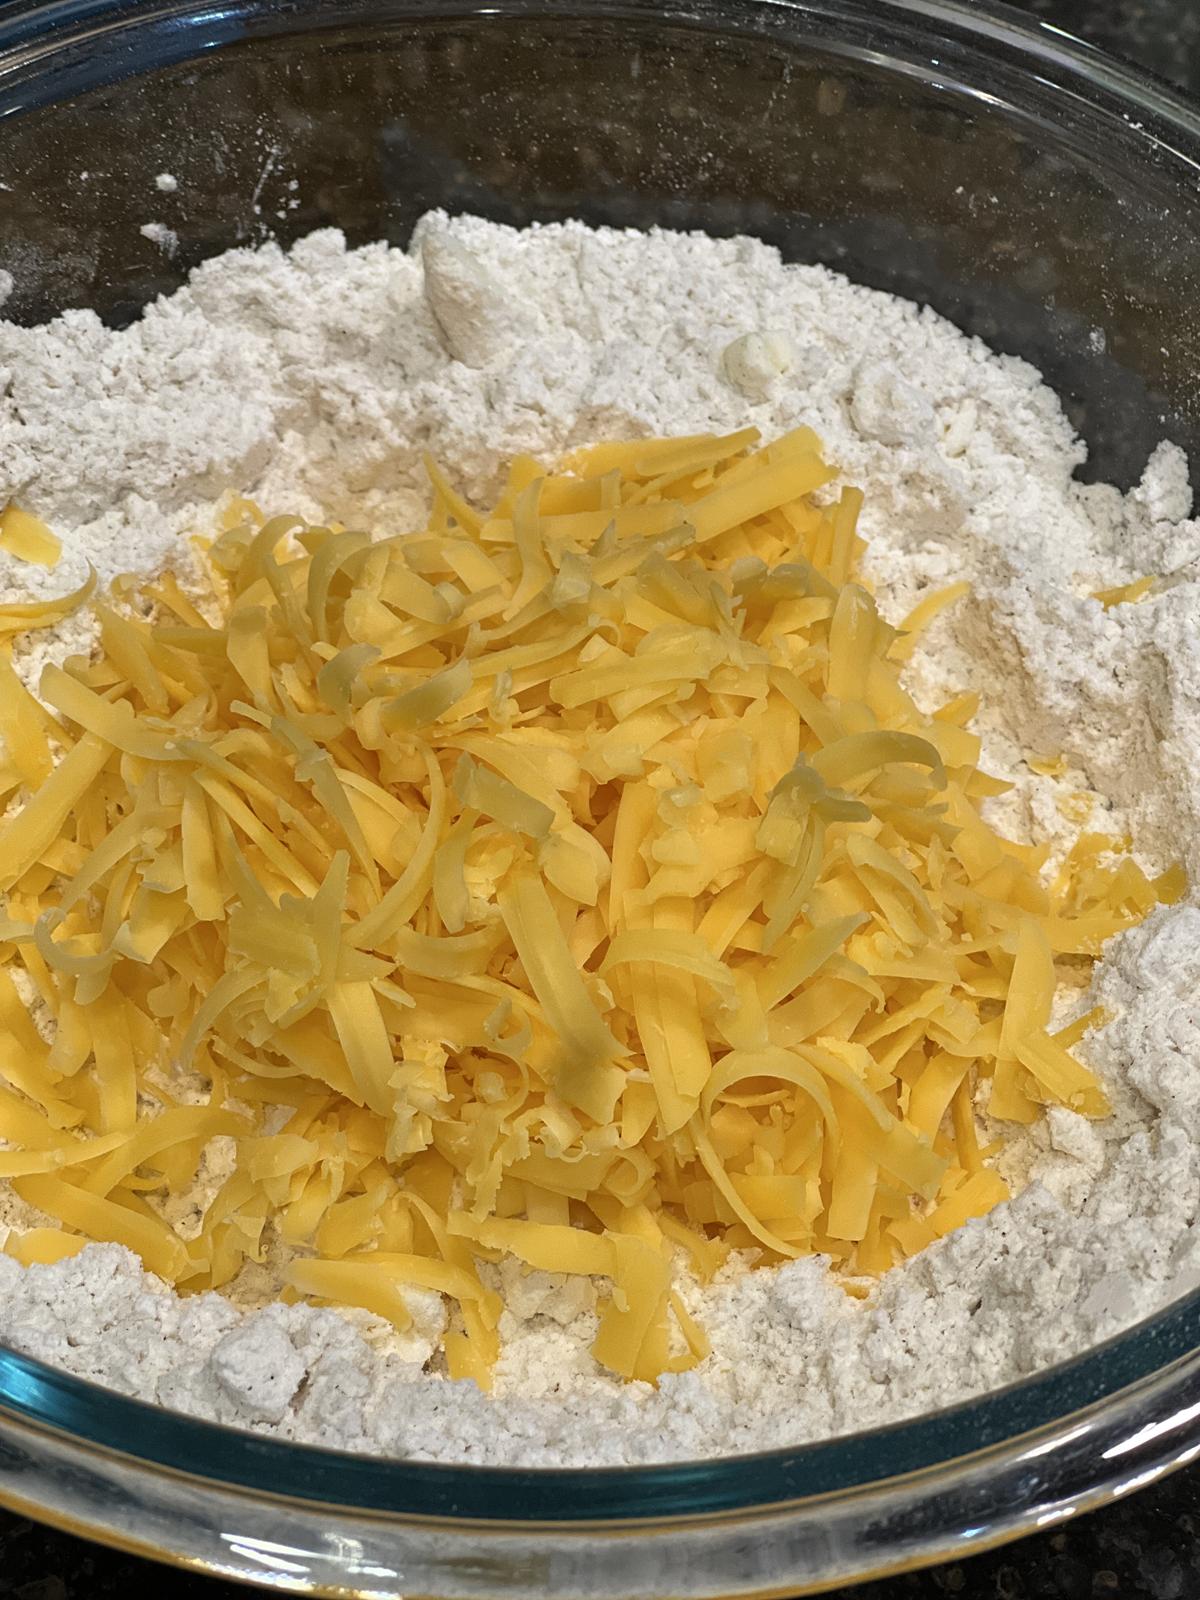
x=757, y=361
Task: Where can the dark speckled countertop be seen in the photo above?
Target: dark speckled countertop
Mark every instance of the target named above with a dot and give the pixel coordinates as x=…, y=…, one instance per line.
x=1146, y=1548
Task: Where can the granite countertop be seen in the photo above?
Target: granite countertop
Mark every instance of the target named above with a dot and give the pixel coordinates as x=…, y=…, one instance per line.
x=1145, y=1548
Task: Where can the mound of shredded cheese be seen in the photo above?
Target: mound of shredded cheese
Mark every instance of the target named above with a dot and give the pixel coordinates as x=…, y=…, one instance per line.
x=576, y=881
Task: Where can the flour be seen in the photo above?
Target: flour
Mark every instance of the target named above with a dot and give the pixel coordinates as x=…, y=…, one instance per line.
x=314, y=381
x=757, y=362
x=158, y=233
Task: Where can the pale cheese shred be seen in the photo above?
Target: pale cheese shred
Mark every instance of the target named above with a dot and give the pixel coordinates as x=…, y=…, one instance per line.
x=575, y=882
x=28, y=538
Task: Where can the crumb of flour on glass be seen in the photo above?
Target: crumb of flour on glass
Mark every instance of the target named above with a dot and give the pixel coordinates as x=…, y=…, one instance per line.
x=500, y=353
x=158, y=233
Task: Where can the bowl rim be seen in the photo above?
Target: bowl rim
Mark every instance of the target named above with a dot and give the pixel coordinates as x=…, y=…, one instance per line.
x=33, y=1395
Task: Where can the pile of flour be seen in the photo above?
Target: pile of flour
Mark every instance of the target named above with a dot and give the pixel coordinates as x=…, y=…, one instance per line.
x=313, y=382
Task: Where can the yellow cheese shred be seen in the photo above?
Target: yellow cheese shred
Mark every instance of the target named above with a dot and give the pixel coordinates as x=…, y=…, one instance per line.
x=573, y=880
x=28, y=538
x=1126, y=594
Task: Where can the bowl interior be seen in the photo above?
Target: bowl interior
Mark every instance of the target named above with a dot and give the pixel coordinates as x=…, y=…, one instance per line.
x=1022, y=204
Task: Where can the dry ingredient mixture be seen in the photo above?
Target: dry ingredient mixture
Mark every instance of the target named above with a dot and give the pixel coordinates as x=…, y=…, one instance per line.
x=477, y=345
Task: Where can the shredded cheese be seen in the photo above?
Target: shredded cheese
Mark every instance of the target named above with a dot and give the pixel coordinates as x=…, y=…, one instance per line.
x=575, y=881
x=1127, y=594
x=28, y=538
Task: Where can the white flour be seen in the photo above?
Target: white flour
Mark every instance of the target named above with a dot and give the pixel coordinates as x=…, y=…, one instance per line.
x=314, y=382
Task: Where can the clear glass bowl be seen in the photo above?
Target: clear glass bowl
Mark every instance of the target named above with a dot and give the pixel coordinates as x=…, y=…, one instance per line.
x=1035, y=193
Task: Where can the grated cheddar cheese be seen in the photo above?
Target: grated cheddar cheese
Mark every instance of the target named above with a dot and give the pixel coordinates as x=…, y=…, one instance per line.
x=27, y=537
x=575, y=882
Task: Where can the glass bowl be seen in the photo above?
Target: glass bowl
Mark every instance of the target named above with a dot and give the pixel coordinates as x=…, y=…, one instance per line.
x=1035, y=193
